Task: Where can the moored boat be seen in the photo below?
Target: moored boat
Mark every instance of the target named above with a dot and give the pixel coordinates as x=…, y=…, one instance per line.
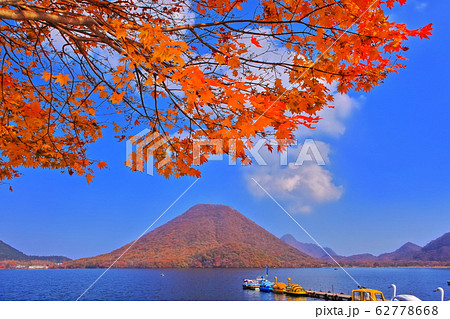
x=365, y=294
x=253, y=284
x=256, y=284
x=266, y=286
x=441, y=290
x=294, y=289
x=279, y=287
x=402, y=297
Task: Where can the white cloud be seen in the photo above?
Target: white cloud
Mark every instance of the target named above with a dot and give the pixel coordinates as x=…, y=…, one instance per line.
x=332, y=122
x=183, y=16
x=333, y=119
x=301, y=187
x=420, y=6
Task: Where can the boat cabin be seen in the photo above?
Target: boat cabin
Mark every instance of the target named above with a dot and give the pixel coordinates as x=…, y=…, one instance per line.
x=364, y=294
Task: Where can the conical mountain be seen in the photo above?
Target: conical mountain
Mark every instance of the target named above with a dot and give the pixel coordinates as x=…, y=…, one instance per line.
x=205, y=236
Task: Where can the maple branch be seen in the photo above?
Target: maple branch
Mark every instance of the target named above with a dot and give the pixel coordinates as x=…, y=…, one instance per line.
x=199, y=38
x=226, y=22
x=34, y=15
x=61, y=58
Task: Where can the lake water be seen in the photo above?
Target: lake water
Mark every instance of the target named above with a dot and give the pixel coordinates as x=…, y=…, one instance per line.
x=208, y=284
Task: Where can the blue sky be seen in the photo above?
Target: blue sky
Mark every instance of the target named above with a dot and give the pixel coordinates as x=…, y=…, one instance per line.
x=386, y=180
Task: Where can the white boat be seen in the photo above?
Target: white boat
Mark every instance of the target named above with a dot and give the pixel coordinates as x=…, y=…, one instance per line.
x=441, y=290
x=253, y=284
x=405, y=298
x=402, y=297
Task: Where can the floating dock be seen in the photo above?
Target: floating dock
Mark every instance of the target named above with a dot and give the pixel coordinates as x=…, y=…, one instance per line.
x=328, y=295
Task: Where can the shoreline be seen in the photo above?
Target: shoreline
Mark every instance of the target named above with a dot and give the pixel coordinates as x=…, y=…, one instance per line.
x=360, y=267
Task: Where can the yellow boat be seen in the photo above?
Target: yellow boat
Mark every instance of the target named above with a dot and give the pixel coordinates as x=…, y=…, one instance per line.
x=294, y=289
x=278, y=287
x=365, y=294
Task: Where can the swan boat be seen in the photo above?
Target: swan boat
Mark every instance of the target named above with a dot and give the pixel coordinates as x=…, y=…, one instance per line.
x=441, y=290
x=402, y=297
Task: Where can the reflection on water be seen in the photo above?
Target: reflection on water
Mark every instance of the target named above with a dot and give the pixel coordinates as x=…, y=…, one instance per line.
x=210, y=284
x=288, y=298
x=283, y=297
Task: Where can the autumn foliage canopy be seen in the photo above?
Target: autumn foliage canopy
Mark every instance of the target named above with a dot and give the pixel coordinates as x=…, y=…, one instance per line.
x=188, y=69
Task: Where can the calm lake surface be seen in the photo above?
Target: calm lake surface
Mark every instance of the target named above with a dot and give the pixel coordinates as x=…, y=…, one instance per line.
x=208, y=284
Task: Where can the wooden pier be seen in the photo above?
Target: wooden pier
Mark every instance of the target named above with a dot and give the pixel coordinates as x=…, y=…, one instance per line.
x=327, y=295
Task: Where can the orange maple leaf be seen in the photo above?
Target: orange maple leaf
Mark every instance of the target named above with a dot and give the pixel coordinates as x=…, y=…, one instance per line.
x=89, y=178
x=62, y=79
x=116, y=98
x=251, y=77
x=425, y=31
x=103, y=94
x=102, y=165
x=47, y=76
x=256, y=43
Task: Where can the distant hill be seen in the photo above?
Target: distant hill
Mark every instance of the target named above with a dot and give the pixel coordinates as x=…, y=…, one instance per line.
x=438, y=249
x=56, y=259
x=358, y=258
x=9, y=253
x=435, y=253
x=204, y=236
x=406, y=252
x=307, y=248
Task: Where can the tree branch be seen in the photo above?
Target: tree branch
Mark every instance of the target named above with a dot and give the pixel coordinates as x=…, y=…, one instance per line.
x=22, y=15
